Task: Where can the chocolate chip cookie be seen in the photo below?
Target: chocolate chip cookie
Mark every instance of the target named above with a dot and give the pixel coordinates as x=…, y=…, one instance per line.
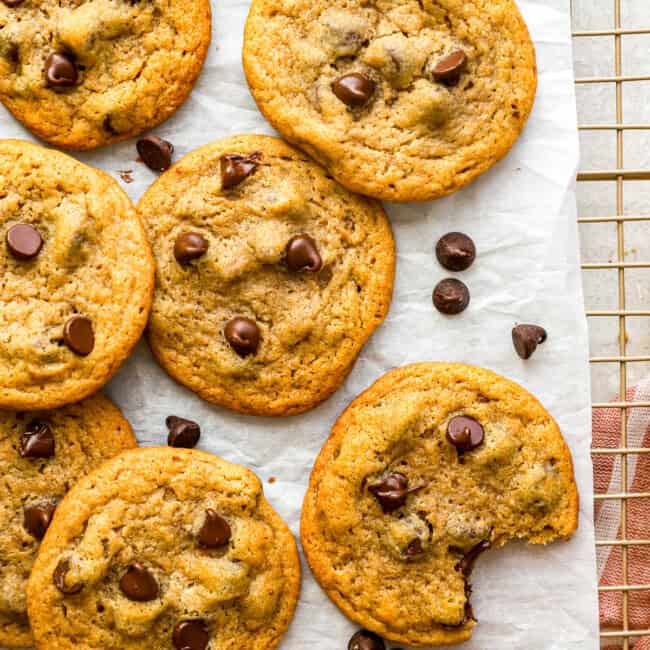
x=430, y=467
x=270, y=276
x=83, y=73
x=164, y=548
x=41, y=455
x=402, y=100
x=77, y=277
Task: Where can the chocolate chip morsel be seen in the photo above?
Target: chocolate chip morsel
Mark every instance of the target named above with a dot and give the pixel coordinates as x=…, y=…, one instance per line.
x=235, y=168
x=24, y=241
x=366, y=640
x=78, y=335
x=243, y=334
x=465, y=433
x=13, y=3
x=465, y=565
x=191, y=635
x=215, y=531
x=182, y=432
x=302, y=254
x=456, y=251
x=155, y=152
x=354, y=89
x=36, y=519
x=37, y=441
x=526, y=338
x=449, y=69
x=391, y=491
x=451, y=296
x=59, y=579
x=61, y=70
x=190, y=246
x=139, y=584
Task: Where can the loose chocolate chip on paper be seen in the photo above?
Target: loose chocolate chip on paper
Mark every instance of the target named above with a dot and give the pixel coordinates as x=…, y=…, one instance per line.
x=243, y=334
x=191, y=635
x=24, y=241
x=59, y=579
x=37, y=441
x=36, y=519
x=449, y=69
x=526, y=338
x=182, y=432
x=215, y=531
x=354, y=89
x=465, y=433
x=451, y=296
x=302, y=254
x=189, y=246
x=139, y=584
x=155, y=152
x=455, y=251
x=235, y=168
x=366, y=640
x=61, y=70
x=78, y=335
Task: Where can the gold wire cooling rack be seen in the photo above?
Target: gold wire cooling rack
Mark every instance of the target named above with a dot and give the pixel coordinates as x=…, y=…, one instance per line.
x=611, y=221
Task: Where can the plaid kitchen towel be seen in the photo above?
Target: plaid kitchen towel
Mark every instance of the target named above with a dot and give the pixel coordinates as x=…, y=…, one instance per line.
x=607, y=478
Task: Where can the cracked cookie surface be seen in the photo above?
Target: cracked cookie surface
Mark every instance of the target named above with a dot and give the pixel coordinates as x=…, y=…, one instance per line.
x=76, y=277
x=84, y=435
x=158, y=543
x=396, y=513
x=448, y=87
x=126, y=66
x=270, y=276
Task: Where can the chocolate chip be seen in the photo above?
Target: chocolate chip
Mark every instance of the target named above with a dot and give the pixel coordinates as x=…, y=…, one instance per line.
x=155, y=152
x=37, y=441
x=466, y=564
x=215, y=531
x=451, y=296
x=191, y=635
x=59, y=579
x=455, y=251
x=235, y=168
x=24, y=241
x=354, y=89
x=465, y=433
x=182, y=432
x=391, y=491
x=243, y=334
x=36, y=519
x=189, y=246
x=139, y=584
x=449, y=69
x=414, y=548
x=366, y=640
x=13, y=3
x=60, y=70
x=526, y=338
x=302, y=254
x=78, y=335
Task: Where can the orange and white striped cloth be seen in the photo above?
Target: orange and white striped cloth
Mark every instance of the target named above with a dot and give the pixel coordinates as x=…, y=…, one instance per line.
x=607, y=515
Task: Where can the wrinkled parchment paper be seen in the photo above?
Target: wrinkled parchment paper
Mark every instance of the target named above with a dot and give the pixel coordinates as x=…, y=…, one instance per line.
x=522, y=217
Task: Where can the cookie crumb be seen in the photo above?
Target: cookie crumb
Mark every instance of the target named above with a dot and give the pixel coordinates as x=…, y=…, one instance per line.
x=126, y=175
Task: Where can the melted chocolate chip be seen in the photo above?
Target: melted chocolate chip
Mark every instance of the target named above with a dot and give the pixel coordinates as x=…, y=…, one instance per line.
x=36, y=519
x=78, y=335
x=37, y=441
x=392, y=490
x=235, y=168
x=302, y=254
x=526, y=338
x=189, y=246
x=191, y=635
x=215, y=531
x=451, y=296
x=465, y=565
x=449, y=69
x=13, y=3
x=243, y=334
x=366, y=640
x=465, y=433
x=455, y=251
x=24, y=241
x=354, y=89
x=59, y=579
x=155, y=152
x=414, y=548
x=182, y=432
x=139, y=584
x=61, y=70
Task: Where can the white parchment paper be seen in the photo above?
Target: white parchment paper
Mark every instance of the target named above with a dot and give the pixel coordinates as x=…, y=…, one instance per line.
x=522, y=217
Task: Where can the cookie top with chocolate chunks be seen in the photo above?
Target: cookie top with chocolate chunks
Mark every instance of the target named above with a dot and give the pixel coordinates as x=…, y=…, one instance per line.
x=164, y=548
x=41, y=456
x=270, y=276
x=402, y=100
x=84, y=73
x=77, y=277
x=432, y=465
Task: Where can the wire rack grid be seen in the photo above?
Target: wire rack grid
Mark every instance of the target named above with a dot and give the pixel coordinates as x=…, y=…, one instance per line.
x=609, y=38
